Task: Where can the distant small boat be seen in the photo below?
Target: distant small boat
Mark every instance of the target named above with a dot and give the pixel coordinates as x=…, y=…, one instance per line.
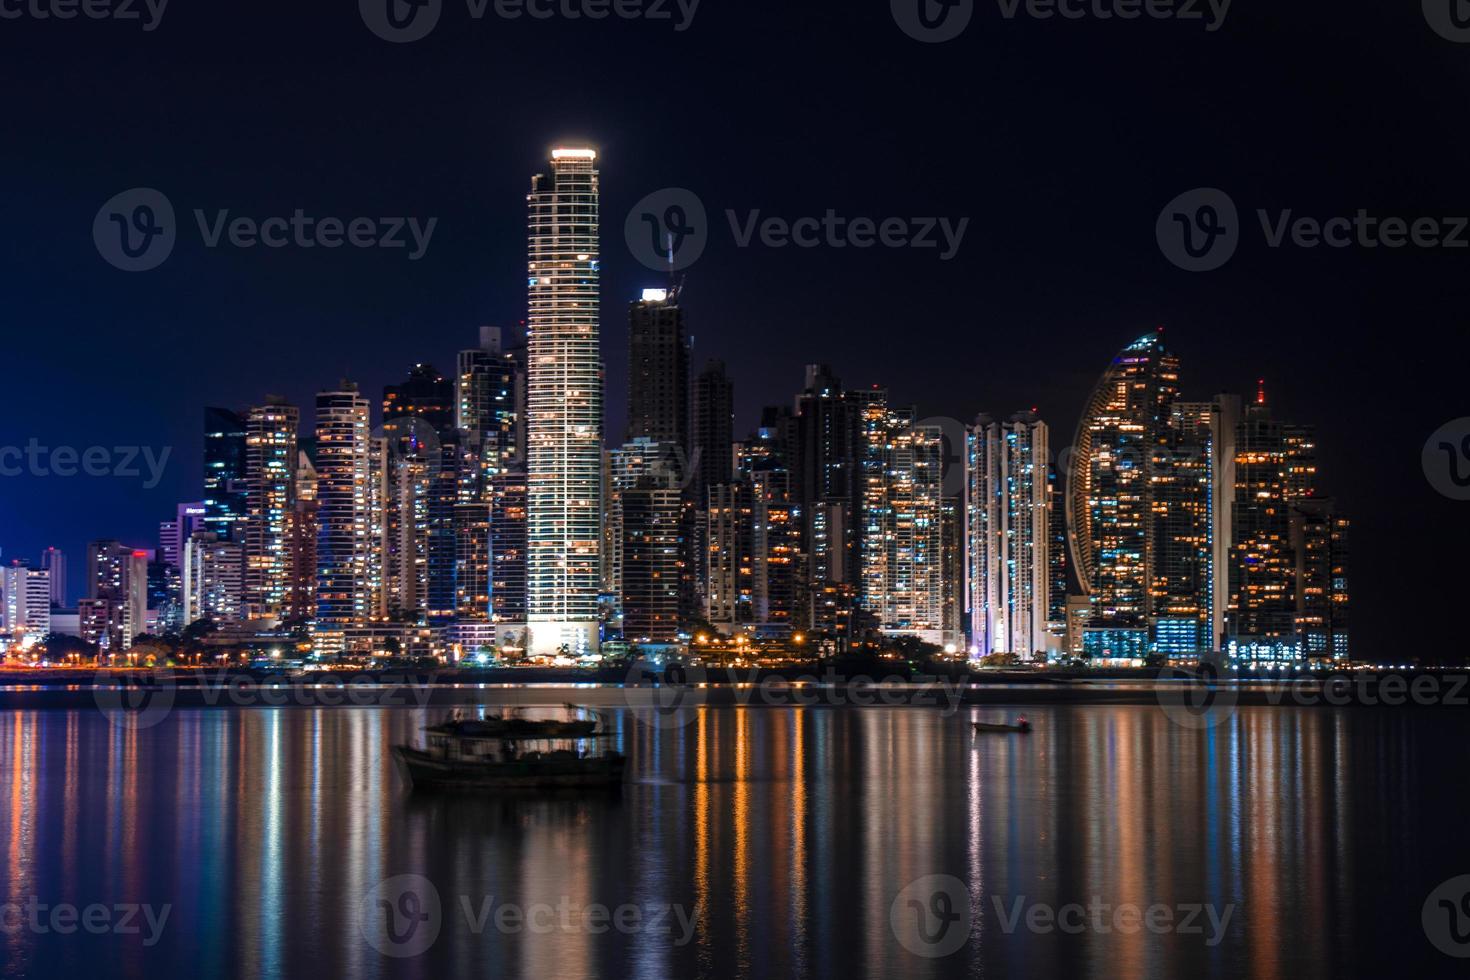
x=1022, y=726
x=500, y=754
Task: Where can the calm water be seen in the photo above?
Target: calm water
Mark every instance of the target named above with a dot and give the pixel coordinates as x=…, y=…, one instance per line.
x=785, y=836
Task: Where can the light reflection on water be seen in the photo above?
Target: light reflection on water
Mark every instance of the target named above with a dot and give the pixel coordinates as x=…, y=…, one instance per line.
x=790, y=832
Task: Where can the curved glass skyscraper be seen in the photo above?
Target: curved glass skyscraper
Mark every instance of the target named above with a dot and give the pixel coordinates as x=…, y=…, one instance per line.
x=1111, y=489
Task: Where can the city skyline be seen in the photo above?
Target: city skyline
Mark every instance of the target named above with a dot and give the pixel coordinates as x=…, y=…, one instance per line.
x=348, y=530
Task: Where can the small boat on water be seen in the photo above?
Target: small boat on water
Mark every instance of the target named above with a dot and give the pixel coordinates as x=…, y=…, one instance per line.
x=499, y=754
x=1021, y=726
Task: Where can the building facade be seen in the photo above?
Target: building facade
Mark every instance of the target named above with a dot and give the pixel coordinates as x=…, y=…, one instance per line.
x=1009, y=537
x=564, y=405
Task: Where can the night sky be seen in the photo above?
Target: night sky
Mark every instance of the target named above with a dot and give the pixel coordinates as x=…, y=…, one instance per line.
x=1060, y=140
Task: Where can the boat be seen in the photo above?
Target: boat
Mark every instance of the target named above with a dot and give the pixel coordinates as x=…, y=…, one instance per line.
x=508, y=754
x=1021, y=727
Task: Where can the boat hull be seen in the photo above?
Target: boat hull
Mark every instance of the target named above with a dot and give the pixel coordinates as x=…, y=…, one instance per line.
x=429, y=773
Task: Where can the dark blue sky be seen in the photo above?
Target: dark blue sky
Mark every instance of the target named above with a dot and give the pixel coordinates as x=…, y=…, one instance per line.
x=1061, y=141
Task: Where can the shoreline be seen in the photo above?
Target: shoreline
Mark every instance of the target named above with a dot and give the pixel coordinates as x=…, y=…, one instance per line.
x=203, y=689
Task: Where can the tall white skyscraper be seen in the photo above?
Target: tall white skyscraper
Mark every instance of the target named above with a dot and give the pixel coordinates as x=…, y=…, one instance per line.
x=564, y=394
x=1008, y=537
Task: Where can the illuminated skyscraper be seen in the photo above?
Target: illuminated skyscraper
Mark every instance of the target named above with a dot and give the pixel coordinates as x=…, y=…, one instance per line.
x=489, y=411
x=224, y=473
x=1194, y=498
x=348, y=572
x=1110, y=498
x=271, y=460
x=424, y=486
x=1275, y=468
x=902, y=541
x=1009, y=538
x=25, y=611
x=211, y=582
x=564, y=395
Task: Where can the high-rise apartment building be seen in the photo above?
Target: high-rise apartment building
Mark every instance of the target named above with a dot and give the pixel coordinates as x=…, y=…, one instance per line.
x=25, y=602
x=1193, y=503
x=825, y=455
x=271, y=461
x=117, y=588
x=1319, y=544
x=902, y=541
x=349, y=537
x=564, y=404
x=1009, y=536
x=490, y=412
x=425, y=476
x=731, y=561
x=212, y=579
x=1275, y=468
